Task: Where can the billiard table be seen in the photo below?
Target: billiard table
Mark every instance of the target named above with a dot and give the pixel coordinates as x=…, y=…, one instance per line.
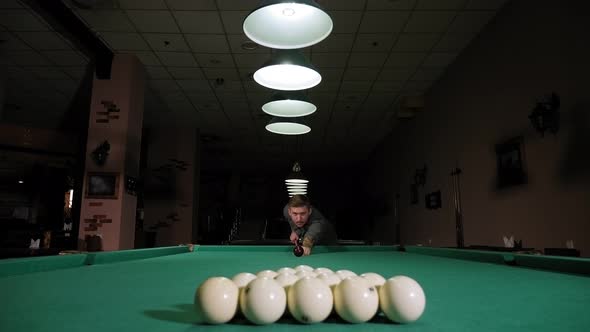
x=153, y=289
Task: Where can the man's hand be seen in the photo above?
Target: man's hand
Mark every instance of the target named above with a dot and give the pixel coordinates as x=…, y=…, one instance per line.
x=293, y=238
x=306, y=251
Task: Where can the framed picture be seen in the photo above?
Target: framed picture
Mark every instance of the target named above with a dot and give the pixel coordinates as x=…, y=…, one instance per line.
x=510, y=163
x=102, y=185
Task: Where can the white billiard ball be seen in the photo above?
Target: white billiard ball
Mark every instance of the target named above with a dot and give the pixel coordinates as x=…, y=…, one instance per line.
x=305, y=273
x=343, y=274
x=286, y=279
x=267, y=273
x=356, y=300
x=330, y=279
x=286, y=270
x=322, y=270
x=216, y=300
x=304, y=268
x=243, y=278
x=402, y=299
x=310, y=300
x=263, y=301
x=374, y=279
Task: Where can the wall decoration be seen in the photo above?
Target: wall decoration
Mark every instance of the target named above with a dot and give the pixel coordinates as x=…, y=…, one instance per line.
x=101, y=153
x=510, y=163
x=111, y=112
x=102, y=185
x=545, y=115
x=433, y=200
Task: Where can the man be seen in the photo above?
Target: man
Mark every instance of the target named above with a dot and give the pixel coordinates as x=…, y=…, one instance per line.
x=308, y=223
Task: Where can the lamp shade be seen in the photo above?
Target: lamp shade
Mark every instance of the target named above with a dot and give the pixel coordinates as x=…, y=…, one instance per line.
x=288, y=70
x=287, y=126
x=289, y=104
x=288, y=24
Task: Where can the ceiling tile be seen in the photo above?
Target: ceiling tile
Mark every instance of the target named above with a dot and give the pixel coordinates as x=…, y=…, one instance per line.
x=238, y=5
x=157, y=72
x=250, y=60
x=215, y=60
x=199, y=21
x=142, y=4
x=193, y=73
x=192, y=4
x=428, y=73
x=390, y=5
x=387, y=86
x=27, y=58
x=11, y=42
x=367, y=59
x=76, y=72
x=166, y=42
x=332, y=74
x=44, y=40
x=374, y=42
x=194, y=85
x=66, y=86
x=396, y=74
x=417, y=85
x=415, y=42
x=233, y=21
x=65, y=58
x=148, y=58
x=21, y=20
x=161, y=86
x=405, y=59
x=327, y=86
x=201, y=43
x=356, y=86
x=485, y=4
x=228, y=74
x=439, y=59
x=429, y=21
x=335, y=43
x=470, y=21
x=239, y=43
x=440, y=5
x=153, y=20
x=10, y=4
x=361, y=74
x=177, y=59
x=346, y=21
x=233, y=87
x=125, y=41
x=342, y=4
x=45, y=72
x=107, y=20
x=383, y=21
x=454, y=42
x=329, y=59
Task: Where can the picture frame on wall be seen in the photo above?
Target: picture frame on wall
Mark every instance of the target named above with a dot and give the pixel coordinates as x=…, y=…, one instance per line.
x=510, y=163
x=102, y=185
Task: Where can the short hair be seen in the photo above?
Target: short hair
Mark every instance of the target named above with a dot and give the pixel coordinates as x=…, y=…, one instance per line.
x=299, y=201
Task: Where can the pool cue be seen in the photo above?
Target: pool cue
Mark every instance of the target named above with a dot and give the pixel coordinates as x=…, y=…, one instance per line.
x=458, y=211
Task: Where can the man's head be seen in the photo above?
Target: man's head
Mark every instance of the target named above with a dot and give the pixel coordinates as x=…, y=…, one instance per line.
x=299, y=209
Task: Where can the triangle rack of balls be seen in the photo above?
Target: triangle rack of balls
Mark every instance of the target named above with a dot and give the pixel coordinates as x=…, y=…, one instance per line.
x=309, y=296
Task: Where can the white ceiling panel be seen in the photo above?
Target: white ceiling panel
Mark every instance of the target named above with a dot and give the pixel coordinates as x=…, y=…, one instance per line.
x=439, y=59
x=107, y=20
x=65, y=58
x=391, y=5
x=440, y=5
x=177, y=59
x=153, y=21
x=44, y=40
x=202, y=43
x=142, y=4
x=374, y=42
x=125, y=41
x=329, y=60
x=367, y=59
x=166, y=42
x=184, y=73
x=346, y=21
x=233, y=21
x=335, y=43
x=429, y=21
x=192, y=4
x=416, y=42
x=361, y=74
x=21, y=20
x=157, y=73
x=216, y=60
x=384, y=21
x=228, y=74
x=410, y=59
x=199, y=21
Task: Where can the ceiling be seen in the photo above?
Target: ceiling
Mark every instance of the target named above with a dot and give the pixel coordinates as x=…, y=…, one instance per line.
x=200, y=65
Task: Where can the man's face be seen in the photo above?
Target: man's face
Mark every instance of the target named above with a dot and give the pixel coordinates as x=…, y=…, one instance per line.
x=299, y=215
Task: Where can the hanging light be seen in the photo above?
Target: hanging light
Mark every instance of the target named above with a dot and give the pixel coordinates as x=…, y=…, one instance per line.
x=288, y=71
x=287, y=126
x=288, y=24
x=289, y=104
x=296, y=182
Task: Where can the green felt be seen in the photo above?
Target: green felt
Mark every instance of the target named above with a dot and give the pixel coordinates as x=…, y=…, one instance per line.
x=156, y=294
x=16, y=266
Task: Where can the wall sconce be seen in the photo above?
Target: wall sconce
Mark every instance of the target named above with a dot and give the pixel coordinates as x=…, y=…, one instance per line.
x=545, y=115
